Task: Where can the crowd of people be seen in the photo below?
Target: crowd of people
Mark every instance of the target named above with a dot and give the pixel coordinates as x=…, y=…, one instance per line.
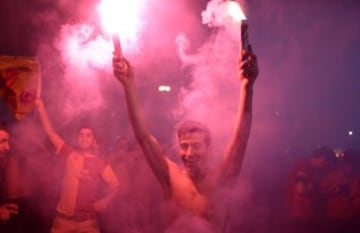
x=138, y=188
x=322, y=192
x=147, y=193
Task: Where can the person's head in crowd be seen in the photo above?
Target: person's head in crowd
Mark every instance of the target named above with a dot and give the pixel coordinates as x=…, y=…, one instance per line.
x=322, y=157
x=352, y=158
x=194, y=147
x=4, y=145
x=87, y=140
x=4, y=141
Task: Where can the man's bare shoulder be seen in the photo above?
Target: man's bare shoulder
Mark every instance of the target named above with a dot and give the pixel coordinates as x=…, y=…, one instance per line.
x=174, y=168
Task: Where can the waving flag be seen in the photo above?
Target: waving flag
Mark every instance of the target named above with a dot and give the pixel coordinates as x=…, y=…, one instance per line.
x=19, y=83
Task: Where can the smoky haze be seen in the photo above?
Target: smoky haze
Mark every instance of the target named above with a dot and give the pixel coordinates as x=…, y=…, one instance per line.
x=305, y=95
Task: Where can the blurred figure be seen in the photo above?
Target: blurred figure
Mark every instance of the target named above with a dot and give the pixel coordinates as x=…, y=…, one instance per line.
x=354, y=159
x=138, y=210
x=119, y=217
x=21, y=187
x=9, y=209
x=355, y=186
x=194, y=192
x=305, y=199
x=339, y=196
x=84, y=176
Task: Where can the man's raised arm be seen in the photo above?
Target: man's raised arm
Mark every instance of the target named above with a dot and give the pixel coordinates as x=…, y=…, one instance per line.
x=149, y=144
x=235, y=151
x=56, y=140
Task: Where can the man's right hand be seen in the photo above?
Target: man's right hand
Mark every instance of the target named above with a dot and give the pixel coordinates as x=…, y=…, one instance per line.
x=122, y=69
x=8, y=209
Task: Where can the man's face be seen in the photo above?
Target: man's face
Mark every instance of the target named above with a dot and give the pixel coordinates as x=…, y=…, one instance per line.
x=193, y=151
x=4, y=143
x=86, y=139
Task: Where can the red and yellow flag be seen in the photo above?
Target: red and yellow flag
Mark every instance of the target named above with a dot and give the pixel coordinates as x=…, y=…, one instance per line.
x=20, y=79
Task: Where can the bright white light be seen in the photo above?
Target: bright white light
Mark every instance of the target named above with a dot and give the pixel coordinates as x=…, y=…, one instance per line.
x=235, y=11
x=350, y=133
x=121, y=17
x=339, y=153
x=164, y=88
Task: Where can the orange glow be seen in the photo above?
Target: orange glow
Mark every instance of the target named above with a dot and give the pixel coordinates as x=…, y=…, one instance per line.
x=120, y=17
x=234, y=10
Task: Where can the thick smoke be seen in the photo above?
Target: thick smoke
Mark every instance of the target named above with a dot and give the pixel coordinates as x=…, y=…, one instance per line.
x=212, y=95
x=85, y=60
x=305, y=95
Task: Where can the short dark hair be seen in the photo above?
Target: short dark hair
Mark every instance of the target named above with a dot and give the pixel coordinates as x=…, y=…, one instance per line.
x=87, y=126
x=194, y=126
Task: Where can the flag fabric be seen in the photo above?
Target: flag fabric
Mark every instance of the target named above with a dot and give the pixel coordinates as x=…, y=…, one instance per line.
x=20, y=79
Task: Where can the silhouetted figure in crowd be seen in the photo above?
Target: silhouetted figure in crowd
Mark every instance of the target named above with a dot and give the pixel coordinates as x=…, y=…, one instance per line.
x=338, y=187
x=84, y=175
x=139, y=210
x=194, y=192
x=8, y=208
x=354, y=160
x=16, y=210
x=305, y=197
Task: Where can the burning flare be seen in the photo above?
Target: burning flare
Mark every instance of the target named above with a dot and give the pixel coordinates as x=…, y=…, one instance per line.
x=234, y=11
x=121, y=17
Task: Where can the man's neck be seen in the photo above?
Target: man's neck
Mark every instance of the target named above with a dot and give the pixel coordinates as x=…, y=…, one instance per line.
x=87, y=152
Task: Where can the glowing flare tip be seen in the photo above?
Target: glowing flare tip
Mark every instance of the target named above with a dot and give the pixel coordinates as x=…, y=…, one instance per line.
x=120, y=17
x=235, y=11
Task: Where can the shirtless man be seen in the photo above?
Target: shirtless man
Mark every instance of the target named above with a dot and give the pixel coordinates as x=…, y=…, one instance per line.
x=191, y=190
